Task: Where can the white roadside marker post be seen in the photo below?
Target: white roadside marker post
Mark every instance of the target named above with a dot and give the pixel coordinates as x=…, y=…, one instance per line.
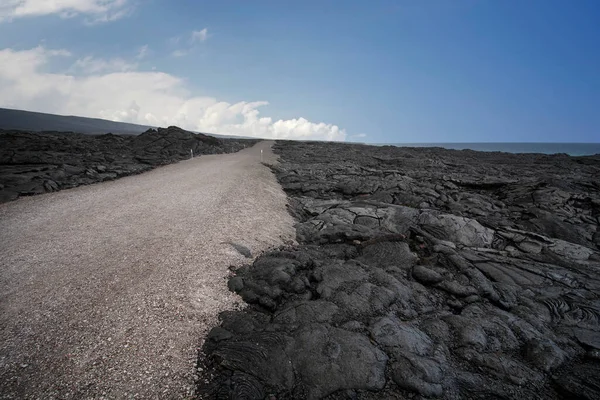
x=191, y=153
x=261, y=158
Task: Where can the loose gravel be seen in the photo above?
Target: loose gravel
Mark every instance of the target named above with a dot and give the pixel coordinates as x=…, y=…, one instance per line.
x=107, y=290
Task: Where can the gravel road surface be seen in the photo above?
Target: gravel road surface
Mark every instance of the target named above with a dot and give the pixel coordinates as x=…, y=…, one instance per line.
x=107, y=290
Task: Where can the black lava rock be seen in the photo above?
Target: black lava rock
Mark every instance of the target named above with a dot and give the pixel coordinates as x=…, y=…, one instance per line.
x=421, y=272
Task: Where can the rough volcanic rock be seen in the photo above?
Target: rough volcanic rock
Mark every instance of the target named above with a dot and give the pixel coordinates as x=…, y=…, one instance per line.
x=35, y=163
x=422, y=272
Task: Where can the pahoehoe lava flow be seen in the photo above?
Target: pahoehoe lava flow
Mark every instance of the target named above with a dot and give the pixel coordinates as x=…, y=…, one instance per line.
x=420, y=272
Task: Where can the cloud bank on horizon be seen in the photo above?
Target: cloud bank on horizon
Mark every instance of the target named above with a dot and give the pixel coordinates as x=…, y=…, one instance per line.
x=116, y=89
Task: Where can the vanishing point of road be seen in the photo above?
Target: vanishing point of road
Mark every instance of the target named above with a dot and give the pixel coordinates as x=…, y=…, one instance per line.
x=107, y=290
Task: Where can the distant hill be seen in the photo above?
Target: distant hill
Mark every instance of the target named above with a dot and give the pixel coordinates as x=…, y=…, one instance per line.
x=35, y=121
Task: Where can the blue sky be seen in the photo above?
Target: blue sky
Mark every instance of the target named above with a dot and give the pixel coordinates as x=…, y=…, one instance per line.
x=375, y=71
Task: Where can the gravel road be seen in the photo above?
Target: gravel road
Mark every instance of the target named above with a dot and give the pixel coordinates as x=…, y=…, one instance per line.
x=107, y=290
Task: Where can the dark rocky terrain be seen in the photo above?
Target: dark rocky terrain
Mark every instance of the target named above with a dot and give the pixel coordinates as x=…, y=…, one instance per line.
x=420, y=273
x=33, y=163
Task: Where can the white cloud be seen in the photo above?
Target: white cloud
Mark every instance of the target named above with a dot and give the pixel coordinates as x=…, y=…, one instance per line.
x=195, y=36
x=149, y=98
x=180, y=53
x=96, y=10
x=142, y=52
x=91, y=65
x=199, y=36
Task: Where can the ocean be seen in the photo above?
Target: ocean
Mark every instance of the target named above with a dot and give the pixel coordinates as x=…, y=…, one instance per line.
x=572, y=149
